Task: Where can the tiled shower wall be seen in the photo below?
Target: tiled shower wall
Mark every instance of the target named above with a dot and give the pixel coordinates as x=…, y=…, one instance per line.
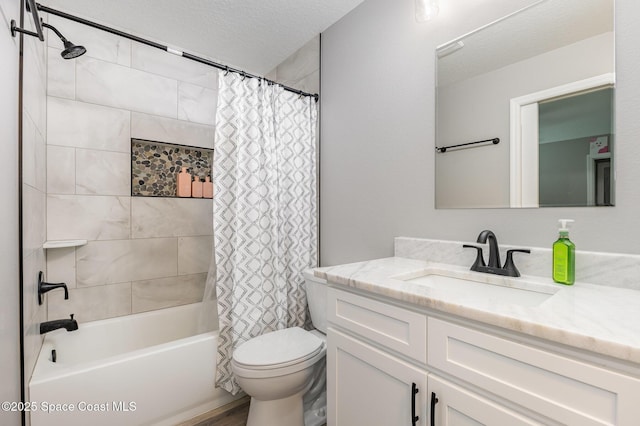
x=301, y=70
x=34, y=121
x=143, y=253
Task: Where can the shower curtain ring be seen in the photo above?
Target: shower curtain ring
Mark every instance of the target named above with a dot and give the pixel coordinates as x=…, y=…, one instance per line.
x=243, y=75
x=226, y=70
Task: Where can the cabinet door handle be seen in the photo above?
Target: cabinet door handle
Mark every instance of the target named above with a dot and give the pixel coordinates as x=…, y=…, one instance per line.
x=434, y=401
x=414, y=391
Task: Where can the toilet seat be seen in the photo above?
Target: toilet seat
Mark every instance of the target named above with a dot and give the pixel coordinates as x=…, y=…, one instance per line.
x=278, y=353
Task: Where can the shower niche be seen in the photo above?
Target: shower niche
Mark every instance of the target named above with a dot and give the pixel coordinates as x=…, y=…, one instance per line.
x=155, y=166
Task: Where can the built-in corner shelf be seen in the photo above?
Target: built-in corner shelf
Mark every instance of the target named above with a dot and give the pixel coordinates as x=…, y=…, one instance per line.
x=63, y=243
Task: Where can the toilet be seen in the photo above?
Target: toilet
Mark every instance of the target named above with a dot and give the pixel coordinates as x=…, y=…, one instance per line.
x=284, y=371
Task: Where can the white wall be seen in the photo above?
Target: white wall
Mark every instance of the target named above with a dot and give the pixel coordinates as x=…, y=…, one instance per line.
x=478, y=108
x=377, y=153
x=9, y=302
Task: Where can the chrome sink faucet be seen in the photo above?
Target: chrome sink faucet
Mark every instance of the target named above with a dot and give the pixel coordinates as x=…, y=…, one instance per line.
x=509, y=269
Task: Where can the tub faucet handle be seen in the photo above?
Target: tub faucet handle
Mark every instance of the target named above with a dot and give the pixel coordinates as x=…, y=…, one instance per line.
x=44, y=287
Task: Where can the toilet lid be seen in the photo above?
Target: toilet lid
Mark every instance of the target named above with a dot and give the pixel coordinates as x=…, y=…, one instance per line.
x=278, y=348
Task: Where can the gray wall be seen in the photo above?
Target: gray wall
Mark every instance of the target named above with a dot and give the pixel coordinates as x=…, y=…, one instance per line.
x=9, y=302
x=377, y=156
x=563, y=172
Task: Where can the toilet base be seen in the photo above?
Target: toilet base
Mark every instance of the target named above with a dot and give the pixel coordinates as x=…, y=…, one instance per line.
x=279, y=412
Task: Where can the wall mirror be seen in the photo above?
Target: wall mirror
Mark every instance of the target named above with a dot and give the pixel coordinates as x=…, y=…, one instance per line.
x=524, y=110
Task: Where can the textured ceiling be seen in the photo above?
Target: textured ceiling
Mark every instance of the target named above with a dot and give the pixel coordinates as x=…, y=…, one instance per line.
x=253, y=35
x=546, y=26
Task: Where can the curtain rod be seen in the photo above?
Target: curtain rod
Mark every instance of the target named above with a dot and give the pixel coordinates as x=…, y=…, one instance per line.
x=195, y=58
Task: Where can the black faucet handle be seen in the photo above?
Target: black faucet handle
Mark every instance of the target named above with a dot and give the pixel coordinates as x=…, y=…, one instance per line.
x=509, y=266
x=479, y=257
x=44, y=287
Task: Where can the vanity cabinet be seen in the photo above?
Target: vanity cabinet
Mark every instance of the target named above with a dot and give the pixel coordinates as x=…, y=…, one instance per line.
x=379, y=352
x=368, y=385
x=371, y=387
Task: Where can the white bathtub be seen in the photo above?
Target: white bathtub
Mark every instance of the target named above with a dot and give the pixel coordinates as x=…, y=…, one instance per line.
x=144, y=369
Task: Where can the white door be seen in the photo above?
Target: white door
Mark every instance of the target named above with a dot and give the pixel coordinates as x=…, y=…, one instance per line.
x=367, y=386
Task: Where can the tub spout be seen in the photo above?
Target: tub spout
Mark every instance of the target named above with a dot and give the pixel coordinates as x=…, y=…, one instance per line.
x=68, y=324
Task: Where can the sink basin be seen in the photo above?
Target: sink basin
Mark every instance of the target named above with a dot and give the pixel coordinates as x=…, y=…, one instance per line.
x=483, y=289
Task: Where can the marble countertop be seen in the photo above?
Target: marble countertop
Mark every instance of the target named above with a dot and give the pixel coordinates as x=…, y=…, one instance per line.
x=601, y=319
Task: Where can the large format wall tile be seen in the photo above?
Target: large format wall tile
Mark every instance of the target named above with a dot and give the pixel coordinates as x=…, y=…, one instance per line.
x=61, y=170
x=309, y=84
x=102, y=172
x=101, y=262
x=34, y=161
x=197, y=104
x=91, y=303
x=301, y=64
x=171, y=217
x=121, y=87
x=33, y=313
x=83, y=125
x=88, y=217
x=160, y=129
x=33, y=208
x=61, y=75
x=167, y=292
x=35, y=89
x=100, y=44
x=146, y=58
x=194, y=254
x=33, y=264
x=61, y=266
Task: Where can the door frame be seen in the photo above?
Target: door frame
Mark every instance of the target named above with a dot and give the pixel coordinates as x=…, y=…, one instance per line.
x=523, y=140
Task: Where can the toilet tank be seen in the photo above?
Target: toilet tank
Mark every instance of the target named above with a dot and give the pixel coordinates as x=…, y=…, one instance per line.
x=317, y=299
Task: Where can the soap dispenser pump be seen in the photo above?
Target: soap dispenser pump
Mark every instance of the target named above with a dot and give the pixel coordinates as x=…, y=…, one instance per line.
x=564, y=262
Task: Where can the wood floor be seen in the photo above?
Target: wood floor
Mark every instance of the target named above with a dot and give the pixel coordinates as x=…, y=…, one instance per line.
x=235, y=417
x=234, y=414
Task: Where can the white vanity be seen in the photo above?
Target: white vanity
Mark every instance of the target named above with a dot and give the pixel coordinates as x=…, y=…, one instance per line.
x=413, y=338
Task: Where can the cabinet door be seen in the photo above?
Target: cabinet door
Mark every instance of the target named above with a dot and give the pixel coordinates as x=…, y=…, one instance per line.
x=367, y=386
x=457, y=406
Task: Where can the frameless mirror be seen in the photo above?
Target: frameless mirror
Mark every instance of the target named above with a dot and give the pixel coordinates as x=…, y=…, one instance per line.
x=524, y=110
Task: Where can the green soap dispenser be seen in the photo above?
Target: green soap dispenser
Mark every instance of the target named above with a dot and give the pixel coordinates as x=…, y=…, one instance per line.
x=564, y=256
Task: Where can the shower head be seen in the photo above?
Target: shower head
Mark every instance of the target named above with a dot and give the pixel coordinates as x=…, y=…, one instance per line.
x=70, y=50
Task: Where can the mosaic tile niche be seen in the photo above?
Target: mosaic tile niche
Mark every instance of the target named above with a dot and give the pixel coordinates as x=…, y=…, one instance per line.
x=155, y=166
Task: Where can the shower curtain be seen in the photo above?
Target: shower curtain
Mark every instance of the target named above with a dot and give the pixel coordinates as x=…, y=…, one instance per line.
x=265, y=211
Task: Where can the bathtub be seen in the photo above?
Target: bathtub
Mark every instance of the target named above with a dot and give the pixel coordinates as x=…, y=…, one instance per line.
x=144, y=369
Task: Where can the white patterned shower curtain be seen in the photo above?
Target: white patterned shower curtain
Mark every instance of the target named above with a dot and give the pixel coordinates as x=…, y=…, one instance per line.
x=264, y=211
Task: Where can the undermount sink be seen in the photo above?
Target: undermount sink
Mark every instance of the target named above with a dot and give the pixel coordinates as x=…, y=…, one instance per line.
x=482, y=288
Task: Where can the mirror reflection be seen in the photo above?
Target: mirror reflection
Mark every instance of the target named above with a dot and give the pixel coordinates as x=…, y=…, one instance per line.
x=541, y=81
